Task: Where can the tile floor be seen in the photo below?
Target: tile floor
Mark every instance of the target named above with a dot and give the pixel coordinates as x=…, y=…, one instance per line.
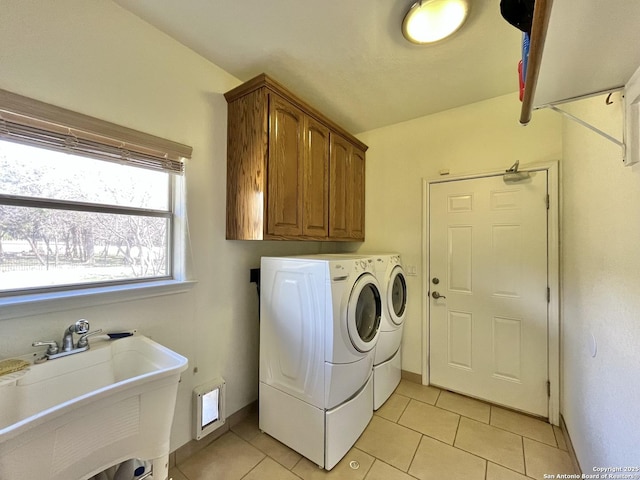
x=419, y=433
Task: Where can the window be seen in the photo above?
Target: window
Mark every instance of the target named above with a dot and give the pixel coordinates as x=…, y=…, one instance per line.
x=82, y=202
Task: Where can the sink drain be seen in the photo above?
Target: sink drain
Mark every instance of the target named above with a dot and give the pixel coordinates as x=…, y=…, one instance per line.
x=354, y=465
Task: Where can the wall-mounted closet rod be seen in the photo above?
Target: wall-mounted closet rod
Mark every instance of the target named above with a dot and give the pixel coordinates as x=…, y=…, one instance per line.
x=541, y=13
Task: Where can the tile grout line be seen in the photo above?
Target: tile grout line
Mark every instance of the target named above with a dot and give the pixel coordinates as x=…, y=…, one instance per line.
x=462, y=450
x=413, y=457
x=455, y=436
x=255, y=466
x=408, y=427
x=374, y=461
x=278, y=442
x=401, y=413
x=507, y=468
x=283, y=466
x=488, y=459
x=417, y=446
x=404, y=410
x=438, y=396
x=464, y=397
x=461, y=414
x=296, y=464
x=524, y=457
x=391, y=466
x=520, y=434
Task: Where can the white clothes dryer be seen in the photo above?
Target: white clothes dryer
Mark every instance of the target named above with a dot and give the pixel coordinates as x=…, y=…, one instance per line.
x=393, y=284
x=319, y=325
x=387, y=370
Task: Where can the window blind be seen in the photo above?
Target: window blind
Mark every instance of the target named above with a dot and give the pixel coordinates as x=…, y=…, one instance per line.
x=36, y=123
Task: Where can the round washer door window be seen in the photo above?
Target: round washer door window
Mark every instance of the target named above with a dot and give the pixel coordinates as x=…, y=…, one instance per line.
x=397, y=296
x=364, y=312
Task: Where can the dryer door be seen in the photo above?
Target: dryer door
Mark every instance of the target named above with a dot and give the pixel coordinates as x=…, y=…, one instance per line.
x=397, y=295
x=364, y=312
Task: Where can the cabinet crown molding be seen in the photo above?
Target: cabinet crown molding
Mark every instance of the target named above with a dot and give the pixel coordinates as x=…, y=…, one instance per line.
x=264, y=80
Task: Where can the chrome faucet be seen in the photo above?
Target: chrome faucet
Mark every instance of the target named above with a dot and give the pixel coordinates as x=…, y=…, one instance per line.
x=81, y=327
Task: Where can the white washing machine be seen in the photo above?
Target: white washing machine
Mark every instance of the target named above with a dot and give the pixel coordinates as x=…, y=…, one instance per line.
x=319, y=324
x=387, y=369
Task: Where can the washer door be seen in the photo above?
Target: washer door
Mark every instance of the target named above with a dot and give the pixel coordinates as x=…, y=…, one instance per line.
x=363, y=313
x=397, y=295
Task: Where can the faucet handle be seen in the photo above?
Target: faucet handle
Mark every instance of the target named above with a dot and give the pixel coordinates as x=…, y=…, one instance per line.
x=83, y=342
x=81, y=326
x=53, y=346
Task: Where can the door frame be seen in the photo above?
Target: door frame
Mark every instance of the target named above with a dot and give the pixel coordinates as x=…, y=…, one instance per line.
x=553, y=269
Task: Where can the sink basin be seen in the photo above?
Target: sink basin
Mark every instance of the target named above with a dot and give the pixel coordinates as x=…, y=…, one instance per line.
x=75, y=416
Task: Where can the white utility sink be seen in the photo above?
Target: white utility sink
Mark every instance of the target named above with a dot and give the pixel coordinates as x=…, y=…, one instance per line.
x=72, y=417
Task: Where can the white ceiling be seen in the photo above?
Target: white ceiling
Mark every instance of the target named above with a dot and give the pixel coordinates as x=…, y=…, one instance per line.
x=347, y=58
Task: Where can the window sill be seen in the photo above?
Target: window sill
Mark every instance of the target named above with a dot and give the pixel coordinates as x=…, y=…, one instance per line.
x=37, y=304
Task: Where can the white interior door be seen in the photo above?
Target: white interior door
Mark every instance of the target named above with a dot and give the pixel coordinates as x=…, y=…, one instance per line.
x=488, y=261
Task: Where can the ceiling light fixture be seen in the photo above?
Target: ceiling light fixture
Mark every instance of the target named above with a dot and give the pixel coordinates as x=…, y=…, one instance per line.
x=429, y=21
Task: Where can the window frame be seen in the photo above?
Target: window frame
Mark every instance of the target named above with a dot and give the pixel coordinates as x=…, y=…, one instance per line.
x=31, y=122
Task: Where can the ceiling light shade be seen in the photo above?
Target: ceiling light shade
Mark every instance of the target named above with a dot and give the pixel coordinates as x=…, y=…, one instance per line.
x=429, y=21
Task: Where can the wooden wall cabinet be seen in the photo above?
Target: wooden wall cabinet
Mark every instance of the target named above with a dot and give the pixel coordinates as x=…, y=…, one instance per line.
x=292, y=174
x=346, y=190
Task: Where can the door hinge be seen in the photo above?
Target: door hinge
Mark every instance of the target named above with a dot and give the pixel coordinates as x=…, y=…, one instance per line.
x=547, y=201
x=548, y=388
x=548, y=295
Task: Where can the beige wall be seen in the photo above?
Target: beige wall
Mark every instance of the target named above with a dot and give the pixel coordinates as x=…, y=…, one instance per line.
x=600, y=265
x=96, y=58
x=474, y=138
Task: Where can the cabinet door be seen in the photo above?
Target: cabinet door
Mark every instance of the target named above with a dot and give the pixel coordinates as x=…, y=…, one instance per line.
x=346, y=190
x=357, y=181
x=285, y=168
x=247, y=148
x=339, y=191
x=315, y=219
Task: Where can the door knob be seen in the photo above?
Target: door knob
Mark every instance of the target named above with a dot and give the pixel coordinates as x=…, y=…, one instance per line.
x=436, y=295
